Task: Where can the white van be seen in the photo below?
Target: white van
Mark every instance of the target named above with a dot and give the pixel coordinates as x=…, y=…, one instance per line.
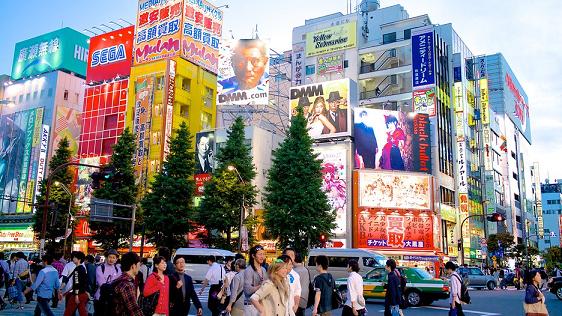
x=338, y=258
x=196, y=260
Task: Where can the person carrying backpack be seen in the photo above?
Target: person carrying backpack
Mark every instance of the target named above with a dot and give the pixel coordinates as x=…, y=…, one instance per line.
x=458, y=290
x=393, y=294
x=324, y=288
x=105, y=274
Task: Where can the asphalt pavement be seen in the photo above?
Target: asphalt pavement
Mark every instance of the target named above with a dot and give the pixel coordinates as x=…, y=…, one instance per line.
x=484, y=303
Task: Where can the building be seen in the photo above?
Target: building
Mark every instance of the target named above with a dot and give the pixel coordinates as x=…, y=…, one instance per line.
x=45, y=93
x=551, y=194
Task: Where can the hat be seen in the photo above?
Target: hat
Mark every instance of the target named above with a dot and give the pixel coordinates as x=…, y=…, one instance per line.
x=304, y=101
x=112, y=252
x=334, y=96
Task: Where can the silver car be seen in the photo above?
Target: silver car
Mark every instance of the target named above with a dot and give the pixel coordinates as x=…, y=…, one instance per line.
x=476, y=278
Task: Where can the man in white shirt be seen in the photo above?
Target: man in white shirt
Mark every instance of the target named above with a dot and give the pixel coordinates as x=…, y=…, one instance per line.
x=455, y=288
x=294, y=282
x=214, y=277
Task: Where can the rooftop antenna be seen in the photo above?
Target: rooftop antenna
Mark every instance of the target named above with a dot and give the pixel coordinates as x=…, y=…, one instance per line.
x=87, y=30
x=126, y=21
x=109, y=27
x=121, y=26
x=256, y=33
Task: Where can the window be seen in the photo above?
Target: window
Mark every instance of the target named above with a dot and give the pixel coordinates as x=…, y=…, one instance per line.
x=515, y=176
x=184, y=110
x=389, y=38
x=516, y=196
x=206, y=120
x=65, y=95
x=21, y=98
x=76, y=97
x=310, y=70
x=407, y=34
x=110, y=122
x=340, y=262
x=377, y=274
x=369, y=262
x=346, y=64
x=27, y=96
x=186, y=84
x=475, y=271
x=159, y=82
x=42, y=94
x=50, y=93
x=34, y=95
x=208, y=98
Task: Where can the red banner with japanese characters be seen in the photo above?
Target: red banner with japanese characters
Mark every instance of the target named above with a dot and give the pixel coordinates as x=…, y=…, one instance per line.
x=394, y=229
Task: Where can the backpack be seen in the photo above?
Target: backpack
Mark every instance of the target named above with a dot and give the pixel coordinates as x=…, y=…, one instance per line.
x=464, y=297
x=107, y=296
x=403, y=282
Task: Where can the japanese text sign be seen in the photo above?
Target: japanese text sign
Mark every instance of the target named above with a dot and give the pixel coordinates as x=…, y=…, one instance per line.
x=423, y=60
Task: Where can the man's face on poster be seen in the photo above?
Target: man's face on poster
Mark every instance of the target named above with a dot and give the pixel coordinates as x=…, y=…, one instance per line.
x=203, y=145
x=334, y=105
x=249, y=63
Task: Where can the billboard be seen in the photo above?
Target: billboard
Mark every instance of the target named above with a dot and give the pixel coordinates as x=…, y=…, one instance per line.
x=111, y=55
x=394, y=229
x=84, y=184
x=61, y=49
x=144, y=95
x=516, y=102
x=391, y=140
x=204, y=159
x=327, y=107
x=424, y=101
x=243, y=76
x=485, y=113
x=68, y=124
x=329, y=64
x=201, y=33
x=394, y=190
x=423, y=59
x=335, y=182
x=331, y=39
x=157, y=30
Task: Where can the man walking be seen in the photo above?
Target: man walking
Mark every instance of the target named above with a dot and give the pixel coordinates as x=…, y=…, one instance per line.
x=455, y=289
x=393, y=296
x=214, y=278
x=78, y=297
x=125, y=300
x=304, y=277
x=324, y=286
x=106, y=273
x=4, y=277
x=46, y=286
x=295, y=288
x=182, y=291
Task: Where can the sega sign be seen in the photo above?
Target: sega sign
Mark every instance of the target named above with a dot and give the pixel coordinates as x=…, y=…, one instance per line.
x=110, y=55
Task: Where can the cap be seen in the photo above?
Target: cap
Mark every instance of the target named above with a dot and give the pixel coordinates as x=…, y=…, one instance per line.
x=112, y=252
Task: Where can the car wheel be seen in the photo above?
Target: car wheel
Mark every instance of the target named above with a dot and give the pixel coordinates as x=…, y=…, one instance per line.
x=414, y=298
x=559, y=293
x=491, y=285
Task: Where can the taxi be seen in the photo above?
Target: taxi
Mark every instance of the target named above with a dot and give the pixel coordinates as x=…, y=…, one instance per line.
x=421, y=287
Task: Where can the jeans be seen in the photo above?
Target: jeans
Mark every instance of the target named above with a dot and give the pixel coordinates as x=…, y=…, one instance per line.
x=395, y=310
x=42, y=307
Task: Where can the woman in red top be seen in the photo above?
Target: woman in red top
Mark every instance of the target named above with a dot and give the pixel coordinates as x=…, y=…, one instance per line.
x=158, y=282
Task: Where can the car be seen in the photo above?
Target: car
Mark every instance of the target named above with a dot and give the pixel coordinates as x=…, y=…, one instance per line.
x=339, y=257
x=555, y=286
x=421, y=287
x=477, y=279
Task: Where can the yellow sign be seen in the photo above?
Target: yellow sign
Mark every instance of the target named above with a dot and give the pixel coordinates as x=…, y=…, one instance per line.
x=484, y=101
x=331, y=39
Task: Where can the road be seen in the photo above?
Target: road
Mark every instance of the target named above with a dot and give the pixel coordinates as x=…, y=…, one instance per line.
x=484, y=303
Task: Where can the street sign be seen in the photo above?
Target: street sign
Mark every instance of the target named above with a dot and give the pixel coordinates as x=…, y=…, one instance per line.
x=101, y=210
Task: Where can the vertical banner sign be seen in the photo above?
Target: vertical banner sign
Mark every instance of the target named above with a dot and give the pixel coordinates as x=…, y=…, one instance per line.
x=462, y=177
x=34, y=163
x=298, y=64
x=26, y=160
x=201, y=33
x=170, y=96
x=485, y=113
x=560, y=228
x=42, y=159
x=423, y=60
x=144, y=94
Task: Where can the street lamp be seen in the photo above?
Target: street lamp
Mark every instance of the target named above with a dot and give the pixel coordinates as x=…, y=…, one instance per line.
x=242, y=209
x=494, y=217
x=58, y=184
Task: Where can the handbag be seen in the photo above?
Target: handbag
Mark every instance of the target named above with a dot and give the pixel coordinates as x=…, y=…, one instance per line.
x=149, y=304
x=537, y=309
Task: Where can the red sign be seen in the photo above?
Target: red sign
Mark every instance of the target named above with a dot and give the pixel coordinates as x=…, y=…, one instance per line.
x=110, y=55
x=394, y=229
x=83, y=229
x=200, y=180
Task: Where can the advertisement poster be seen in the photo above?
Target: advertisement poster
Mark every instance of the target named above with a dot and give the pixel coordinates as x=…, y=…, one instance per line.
x=329, y=64
x=111, y=55
x=327, y=107
x=157, y=30
x=516, y=101
x=423, y=59
x=144, y=95
x=67, y=124
x=61, y=49
x=25, y=167
x=84, y=184
x=170, y=97
x=485, y=113
x=297, y=63
x=388, y=189
x=424, y=101
x=201, y=33
x=386, y=229
x=331, y=39
x=335, y=182
x=243, y=72
x=204, y=159
x=391, y=140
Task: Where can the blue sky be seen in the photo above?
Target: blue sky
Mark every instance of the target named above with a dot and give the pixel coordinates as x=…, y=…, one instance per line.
x=527, y=33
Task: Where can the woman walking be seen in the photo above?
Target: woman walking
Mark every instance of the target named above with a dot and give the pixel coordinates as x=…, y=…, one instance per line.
x=534, y=298
x=272, y=298
x=158, y=282
x=254, y=276
x=355, y=303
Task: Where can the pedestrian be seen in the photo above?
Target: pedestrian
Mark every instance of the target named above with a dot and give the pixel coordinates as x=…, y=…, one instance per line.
x=392, y=296
x=236, y=302
x=355, y=302
x=294, y=282
x=4, y=277
x=105, y=273
x=34, y=268
x=272, y=298
x=15, y=293
x=324, y=286
x=78, y=297
x=165, y=252
x=66, y=286
x=60, y=268
x=182, y=291
x=304, y=276
x=534, y=298
x=557, y=272
x=455, y=290
x=22, y=274
x=125, y=299
x=213, y=278
x=91, y=272
x=158, y=282
x=225, y=292
x=144, y=269
x=518, y=279
x=46, y=286
x=254, y=276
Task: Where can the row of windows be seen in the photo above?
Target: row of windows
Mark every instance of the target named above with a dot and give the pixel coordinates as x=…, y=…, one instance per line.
x=559, y=211
x=391, y=37
x=553, y=202
x=43, y=93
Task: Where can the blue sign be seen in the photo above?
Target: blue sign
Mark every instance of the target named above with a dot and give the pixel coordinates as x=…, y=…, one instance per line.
x=421, y=258
x=423, y=59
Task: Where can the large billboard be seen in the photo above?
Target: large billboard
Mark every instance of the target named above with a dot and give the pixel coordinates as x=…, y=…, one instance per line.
x=327, y=107
x=243, y=76
x=68, y=122
x=61, y=49
x=394, y=229
x=391, y=140
x=111, y=55
x=377, y=189
x=158, y=32
x=423, y=58
x=204, y=159
x=331, y=39
x=201, y=33
x=516, y=102
x=144, y=95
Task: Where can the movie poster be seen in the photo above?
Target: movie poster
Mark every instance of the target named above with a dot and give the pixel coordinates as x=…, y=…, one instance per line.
x=391, y=140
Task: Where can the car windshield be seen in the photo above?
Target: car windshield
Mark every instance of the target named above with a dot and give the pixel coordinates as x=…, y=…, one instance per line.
x=423, y=274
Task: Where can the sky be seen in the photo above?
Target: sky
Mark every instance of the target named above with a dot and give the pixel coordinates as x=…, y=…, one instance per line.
x=527, y=33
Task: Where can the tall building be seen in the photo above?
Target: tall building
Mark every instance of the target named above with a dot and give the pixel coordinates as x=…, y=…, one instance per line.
x=551, y=194
x=45, y=95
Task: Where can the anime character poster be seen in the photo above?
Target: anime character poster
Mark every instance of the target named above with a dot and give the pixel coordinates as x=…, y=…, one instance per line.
x=335, y=182
x=391, y=140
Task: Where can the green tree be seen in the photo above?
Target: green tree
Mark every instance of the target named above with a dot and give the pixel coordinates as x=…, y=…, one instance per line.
x=59, y=199
x=553, y=257
x=168, y=209
x=296, y=207
x=503, y=240
x=121, y=190
x=229, y=189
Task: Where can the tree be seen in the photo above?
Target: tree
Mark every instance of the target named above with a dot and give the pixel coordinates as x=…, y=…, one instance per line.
x=59, y=199
x=553, y=257
x=121, y=190
x=229, y=189
x=501, y=240
x=296, y=207
x=168, y=209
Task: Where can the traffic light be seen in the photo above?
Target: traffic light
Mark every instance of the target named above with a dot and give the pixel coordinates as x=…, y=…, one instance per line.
x=106, y=173
x=496, y=217
x=323, y=238
x=459, y=245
